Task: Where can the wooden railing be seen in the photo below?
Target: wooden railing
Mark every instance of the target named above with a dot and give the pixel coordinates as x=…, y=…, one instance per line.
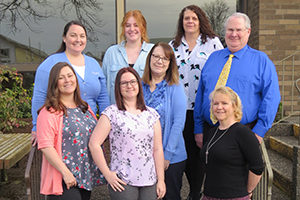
x=32, y=175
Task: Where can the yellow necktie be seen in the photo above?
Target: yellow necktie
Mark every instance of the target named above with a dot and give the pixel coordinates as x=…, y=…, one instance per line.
x=223, y=79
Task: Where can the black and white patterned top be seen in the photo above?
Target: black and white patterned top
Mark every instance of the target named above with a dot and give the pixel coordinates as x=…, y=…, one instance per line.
x=190, y=64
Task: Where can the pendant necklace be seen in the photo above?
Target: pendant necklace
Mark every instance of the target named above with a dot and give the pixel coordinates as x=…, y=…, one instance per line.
x=210, y=143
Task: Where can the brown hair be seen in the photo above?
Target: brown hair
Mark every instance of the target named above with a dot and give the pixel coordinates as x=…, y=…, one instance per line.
x=172, y=75
x=235, y=100
x=141, y=22
x=205, y=27
x=62, y=47
x=53, y=102
x=140, y=104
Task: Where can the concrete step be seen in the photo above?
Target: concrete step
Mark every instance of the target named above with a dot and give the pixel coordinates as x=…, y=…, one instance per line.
x=278, y=194
x=283, y=145
x=281, y=129
x=282, y=170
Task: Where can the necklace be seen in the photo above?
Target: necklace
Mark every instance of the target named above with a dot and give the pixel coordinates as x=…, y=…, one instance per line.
x=210, y=143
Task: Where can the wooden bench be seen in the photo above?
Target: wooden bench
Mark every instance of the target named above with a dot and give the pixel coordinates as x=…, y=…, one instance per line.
x=13, y=147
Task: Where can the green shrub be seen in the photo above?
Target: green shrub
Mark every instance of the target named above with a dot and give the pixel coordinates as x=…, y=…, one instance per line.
x=15, y=101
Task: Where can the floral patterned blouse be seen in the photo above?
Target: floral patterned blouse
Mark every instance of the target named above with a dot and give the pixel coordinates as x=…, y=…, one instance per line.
x=190, y=64
x=131, y=145
x=157, y=100
x=77, y=129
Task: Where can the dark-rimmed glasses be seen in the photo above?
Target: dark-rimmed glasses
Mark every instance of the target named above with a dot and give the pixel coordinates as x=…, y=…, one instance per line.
x=132, y=82
x=163, y=59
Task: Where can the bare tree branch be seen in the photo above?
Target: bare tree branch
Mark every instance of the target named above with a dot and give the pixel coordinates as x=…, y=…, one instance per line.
x=87, y=12
x=27, y=11
x=217, y=12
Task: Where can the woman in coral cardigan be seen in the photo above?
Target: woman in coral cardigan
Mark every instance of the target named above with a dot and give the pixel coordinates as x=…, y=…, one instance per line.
x=64, y=125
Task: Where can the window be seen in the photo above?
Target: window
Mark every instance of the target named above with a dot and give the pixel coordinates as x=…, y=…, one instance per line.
x=4, y=56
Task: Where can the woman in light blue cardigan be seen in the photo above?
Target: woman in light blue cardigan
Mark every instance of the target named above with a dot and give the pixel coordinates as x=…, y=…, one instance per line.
x=91, y=79
x=165, y=94
x=132, y=51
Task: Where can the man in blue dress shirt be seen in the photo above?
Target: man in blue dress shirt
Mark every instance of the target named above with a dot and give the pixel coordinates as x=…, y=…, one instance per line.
x=252, y=76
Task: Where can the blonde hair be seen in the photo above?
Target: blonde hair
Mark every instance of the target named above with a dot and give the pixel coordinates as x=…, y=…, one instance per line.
x=141, y=22
x=235, y=100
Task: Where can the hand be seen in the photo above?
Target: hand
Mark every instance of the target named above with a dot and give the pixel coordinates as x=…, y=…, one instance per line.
x=69, y=179
x=33, y=138
x=115, y=182
x=166, y=164
x=260, y=139
x=160, y=189
x=250, y=194
x=199, y=140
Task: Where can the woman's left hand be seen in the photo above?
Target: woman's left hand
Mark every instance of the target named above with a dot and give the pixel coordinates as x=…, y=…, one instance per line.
x=250, y=195
x=166, y=164
x=160, y=189
x=33, y=138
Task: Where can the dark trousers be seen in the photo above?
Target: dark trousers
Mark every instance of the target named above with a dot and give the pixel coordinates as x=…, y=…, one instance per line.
x=74, y=193
x=194, y=167
x=173, y=180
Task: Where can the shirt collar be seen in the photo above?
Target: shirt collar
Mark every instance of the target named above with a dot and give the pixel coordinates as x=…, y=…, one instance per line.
x=161, y=84
x=237, y=54
x=144, y=46
x=183, y=40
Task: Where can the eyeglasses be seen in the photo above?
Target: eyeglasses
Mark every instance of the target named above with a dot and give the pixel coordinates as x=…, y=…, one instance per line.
x=157, y=58
x=132, y=82
x=238, y=30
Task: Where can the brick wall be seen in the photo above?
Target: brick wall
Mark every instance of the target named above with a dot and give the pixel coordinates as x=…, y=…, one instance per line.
x=276, y=31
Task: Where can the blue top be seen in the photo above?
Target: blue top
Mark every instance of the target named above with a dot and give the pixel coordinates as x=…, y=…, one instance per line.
x=252, y=76
x=116, y=58
x=92, y=87
x=157, y=100
x=174, y=106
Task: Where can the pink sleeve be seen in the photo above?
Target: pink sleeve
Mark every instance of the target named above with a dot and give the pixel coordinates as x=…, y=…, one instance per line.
x=93, y=114
x=46, y=129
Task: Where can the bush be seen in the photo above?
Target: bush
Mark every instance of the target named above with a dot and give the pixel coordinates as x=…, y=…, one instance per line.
x=15, y=101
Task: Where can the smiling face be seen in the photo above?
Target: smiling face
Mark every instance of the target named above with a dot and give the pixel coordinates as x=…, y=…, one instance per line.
x=75, y=39
x=223, y=108
x=159, y=63
x=129, y=86
x=191, y=23
x=66, y=83
x=237, y=35
x=132, y=30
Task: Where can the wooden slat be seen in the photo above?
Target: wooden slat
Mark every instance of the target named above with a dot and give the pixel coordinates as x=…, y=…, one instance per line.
x=13, y=147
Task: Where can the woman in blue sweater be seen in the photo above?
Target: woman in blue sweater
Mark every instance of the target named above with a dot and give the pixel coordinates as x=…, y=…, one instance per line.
x=164, y=93
x=132, y=51
x=91, y=79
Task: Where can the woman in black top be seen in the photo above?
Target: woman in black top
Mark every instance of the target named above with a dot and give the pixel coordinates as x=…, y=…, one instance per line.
x=231, y=153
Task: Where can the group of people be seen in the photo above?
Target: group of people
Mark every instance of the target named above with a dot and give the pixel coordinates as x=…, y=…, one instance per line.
x=167, y=109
